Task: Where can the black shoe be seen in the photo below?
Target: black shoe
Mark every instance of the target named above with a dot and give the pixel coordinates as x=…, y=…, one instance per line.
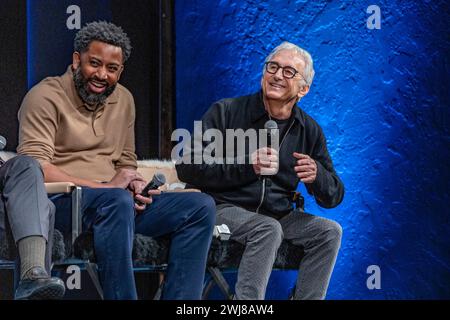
x=39, y=286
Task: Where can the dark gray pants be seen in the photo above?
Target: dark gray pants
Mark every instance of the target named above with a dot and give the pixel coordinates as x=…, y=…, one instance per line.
x=262, y=236
x=25, y=209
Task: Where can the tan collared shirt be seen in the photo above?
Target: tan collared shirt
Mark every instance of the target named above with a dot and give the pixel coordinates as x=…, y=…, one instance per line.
x=85, y=142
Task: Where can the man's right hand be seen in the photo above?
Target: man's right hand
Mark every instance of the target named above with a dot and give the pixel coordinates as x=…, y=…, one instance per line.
x=265, y=161
x=123, y=178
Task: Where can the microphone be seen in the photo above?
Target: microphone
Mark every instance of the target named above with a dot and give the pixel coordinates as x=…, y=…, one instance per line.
x=2, y=146
x=2, y=142
x=158, y=180
x=272, y=142
x=270, y=126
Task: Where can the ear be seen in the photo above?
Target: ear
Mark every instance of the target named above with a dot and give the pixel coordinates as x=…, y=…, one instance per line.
x=76, y=60
x=120, y=72
x=303, y=91
x=263, y=88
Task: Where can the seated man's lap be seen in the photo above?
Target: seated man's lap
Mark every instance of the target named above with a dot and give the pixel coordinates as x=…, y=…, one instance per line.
x=171, y=210
x=242, y=222
x=92, y=201
x=300, y=227
x=163, y=216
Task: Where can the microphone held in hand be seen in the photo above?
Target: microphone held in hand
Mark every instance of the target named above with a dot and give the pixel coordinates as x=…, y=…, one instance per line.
x=2, y=146
x=158, y=180
x=272, y=142
x=2, y=142
x=271, y=127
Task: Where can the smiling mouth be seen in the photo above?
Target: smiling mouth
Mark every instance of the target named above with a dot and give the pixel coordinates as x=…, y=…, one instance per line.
x=276, y=85
x=97, y=87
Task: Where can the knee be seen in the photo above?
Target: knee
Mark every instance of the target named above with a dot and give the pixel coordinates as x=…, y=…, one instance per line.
x=121, y=197
x=25, y=162
x=206, y=208
x=271, y=228
x=332, y=232
x=51, y=210
x=122, y=201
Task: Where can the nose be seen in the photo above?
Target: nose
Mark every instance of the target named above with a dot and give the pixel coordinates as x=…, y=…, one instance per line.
x=279, y=74
x=101, y=73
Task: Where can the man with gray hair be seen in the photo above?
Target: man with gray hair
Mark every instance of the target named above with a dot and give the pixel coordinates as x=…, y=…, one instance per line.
x=255, y=199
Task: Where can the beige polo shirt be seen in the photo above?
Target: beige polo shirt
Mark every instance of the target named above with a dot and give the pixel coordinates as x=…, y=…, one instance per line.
x=85, y=142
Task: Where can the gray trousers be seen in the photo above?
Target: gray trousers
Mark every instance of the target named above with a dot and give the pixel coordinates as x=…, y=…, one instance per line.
x=262, y=235
x=25, y=209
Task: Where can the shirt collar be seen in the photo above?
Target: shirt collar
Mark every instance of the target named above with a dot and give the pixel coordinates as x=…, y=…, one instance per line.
x=259, y=110
x=69, y=87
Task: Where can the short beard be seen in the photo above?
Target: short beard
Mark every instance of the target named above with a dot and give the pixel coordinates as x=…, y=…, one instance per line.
x=81, y=84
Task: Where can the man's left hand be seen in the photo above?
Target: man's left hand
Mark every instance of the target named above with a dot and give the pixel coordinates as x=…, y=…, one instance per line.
x=306, y=168
x=136, y=186
x=145, y=200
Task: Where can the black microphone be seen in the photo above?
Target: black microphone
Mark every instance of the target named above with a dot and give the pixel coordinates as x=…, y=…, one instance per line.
x=158, y=180
x=2, y=142
x=271, y=127
x=2, y=146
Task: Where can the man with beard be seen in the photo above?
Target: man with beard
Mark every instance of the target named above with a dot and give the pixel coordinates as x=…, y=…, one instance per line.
x=80, y=127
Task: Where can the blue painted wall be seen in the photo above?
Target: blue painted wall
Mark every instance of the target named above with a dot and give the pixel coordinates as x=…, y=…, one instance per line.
x=382, y=97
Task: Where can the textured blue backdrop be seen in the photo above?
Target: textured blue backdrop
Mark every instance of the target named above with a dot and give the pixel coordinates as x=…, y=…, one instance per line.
x=382, y=97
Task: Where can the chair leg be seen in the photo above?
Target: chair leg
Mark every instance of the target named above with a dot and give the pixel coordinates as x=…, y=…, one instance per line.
x=209, y=284
x=158, y=293
x=218, y=278
x=93, y=274
x=76, y=213
x=16, y=274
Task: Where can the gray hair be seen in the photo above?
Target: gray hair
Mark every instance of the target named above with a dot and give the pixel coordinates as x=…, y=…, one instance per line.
x=308, y=72
x=105, y=32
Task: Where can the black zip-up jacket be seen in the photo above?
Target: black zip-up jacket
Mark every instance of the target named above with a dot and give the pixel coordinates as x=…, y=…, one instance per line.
x=238, y=184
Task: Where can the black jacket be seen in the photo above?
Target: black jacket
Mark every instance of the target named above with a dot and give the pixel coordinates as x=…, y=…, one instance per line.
x=239, y=185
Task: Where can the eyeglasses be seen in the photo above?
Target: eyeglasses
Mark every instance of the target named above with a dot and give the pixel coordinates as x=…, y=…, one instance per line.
x=273, y=67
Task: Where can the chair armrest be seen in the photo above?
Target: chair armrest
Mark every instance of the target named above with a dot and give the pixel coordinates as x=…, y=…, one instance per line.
x=222, y=232
x=59, y=187
x=181, y=190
